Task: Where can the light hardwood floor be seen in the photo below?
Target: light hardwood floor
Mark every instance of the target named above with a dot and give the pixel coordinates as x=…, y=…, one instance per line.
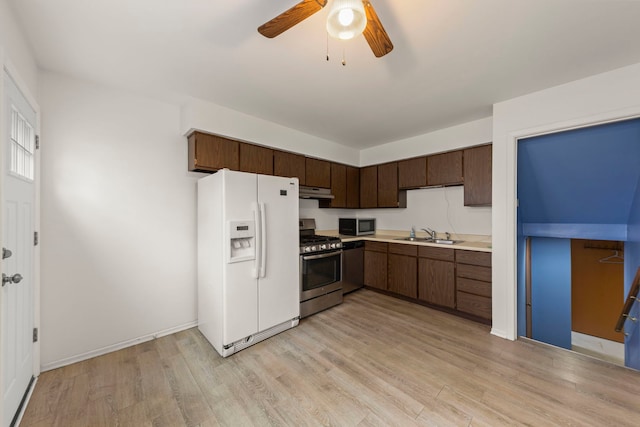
x=374, y=360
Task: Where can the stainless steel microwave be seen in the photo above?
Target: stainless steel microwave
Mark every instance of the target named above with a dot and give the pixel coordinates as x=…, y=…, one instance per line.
x=357, y=226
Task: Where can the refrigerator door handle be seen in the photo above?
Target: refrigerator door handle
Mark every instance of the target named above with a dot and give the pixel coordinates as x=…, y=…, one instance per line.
x=263, y=240
x=255, y=271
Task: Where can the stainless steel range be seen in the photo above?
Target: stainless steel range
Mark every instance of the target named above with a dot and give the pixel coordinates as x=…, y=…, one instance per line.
x=320, y=270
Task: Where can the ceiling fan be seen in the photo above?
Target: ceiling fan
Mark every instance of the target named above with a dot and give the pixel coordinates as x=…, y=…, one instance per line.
x=347, y=18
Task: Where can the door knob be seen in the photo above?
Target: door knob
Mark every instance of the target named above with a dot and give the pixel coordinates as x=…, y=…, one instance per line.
x=6, y=253
x=16, y=278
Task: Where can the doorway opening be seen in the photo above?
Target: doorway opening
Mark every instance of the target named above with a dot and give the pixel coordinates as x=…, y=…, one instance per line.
x=578, y=191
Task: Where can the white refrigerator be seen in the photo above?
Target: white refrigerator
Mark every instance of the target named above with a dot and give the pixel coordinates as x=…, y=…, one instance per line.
x=248, y=258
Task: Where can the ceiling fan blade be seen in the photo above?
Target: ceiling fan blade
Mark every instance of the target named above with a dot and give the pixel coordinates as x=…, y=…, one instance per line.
x=291, y=17
x=375, y=33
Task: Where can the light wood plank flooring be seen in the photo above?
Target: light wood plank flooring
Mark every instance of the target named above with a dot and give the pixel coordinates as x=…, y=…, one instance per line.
x=374, y=360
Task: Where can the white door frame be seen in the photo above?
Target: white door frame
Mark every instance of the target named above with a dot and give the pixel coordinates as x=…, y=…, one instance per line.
x=8, y=66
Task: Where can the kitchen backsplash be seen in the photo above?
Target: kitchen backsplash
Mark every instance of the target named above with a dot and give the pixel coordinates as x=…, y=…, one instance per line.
x=441, y=209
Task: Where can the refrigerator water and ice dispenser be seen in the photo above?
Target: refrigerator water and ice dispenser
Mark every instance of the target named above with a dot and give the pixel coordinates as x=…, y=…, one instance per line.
x=242, y=241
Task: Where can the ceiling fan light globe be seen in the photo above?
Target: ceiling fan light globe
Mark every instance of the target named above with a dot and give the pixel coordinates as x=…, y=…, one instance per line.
x=346, y=19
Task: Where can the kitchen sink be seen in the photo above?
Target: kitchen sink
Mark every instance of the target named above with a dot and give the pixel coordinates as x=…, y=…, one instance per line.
x=415, y=239
x=446, y=241
x=429, y=240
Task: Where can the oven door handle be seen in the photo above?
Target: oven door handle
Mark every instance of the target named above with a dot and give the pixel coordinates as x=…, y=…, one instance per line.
x=326, y=255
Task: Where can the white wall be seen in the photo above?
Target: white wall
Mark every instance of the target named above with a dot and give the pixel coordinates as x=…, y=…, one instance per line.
x=17, y=51
x=608, y=96
x=441, y=209
x=451, y=138
x=118, y=220
x=209, y=117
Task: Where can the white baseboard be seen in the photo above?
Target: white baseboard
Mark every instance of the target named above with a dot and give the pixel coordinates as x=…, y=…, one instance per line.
x=598, y=347
x=500, y=333
x=114, y=347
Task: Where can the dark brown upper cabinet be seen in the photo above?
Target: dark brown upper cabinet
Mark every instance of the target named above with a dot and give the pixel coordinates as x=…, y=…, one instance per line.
x=388, y=185
x=477, y=176
x=339, y=185
x=353, y=187
x=445, y=168
x=208, y=153
x=369, y=187
x=256, y=159
x=412, y=173
x=345, y=187
x=289, y=165
x=318, y=173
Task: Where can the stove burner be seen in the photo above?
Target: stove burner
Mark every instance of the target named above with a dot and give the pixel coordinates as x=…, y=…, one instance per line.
x=311, y=242
x=315, y=238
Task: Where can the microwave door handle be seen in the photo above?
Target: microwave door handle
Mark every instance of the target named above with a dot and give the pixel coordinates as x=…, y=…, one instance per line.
x=263, y=240
x=320, y=256
x=255, y=271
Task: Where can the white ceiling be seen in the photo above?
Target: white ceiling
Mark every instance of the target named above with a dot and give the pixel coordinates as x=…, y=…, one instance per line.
x=452, y=58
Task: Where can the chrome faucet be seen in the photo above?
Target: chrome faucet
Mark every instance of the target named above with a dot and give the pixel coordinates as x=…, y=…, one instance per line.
x=430, y=232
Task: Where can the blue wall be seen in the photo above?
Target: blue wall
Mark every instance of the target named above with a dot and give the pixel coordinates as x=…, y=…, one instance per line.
x=631, y=265
x=579, y=183
x=551, y=291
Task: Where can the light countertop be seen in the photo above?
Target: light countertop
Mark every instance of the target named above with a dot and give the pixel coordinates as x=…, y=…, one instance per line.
x=469, y=242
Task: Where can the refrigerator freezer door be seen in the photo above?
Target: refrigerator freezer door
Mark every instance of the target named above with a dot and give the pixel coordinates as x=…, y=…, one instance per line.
x=240, y=306
x=279, y=289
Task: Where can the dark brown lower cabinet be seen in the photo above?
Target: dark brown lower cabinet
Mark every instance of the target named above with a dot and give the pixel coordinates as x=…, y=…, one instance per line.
x=375, y=265
x=458, y=281
x=473, y=270
x=437, y=282
x=403, y=271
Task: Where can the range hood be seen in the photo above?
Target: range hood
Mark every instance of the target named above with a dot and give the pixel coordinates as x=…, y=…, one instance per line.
x=315, y=193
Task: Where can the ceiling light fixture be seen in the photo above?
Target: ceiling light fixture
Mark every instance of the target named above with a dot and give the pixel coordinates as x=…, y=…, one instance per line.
x=346, y=19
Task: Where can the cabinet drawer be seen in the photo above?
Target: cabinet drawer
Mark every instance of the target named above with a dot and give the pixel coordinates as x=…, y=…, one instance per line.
x=474, y=272
x=474, y=258
x=436, y=253
x=474, y=304
x=375, y=246
x=475, y=287
x=400, y=249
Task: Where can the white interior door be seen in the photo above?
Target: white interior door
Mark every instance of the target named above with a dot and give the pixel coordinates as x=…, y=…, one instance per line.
x=18, y=222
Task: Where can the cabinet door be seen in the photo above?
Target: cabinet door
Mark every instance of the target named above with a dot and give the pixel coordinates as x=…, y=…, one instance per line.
x=353, y=187
x=208, y=153
x=436, y=282
x=369, y=187
x=403, y=275
x=477, y=176
x=445, y=168
x=412, y=173
x=256, y=159
x=289, y=165
x=339, y=185
x=375, y=269
x=318, y=173
x=388, y=185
